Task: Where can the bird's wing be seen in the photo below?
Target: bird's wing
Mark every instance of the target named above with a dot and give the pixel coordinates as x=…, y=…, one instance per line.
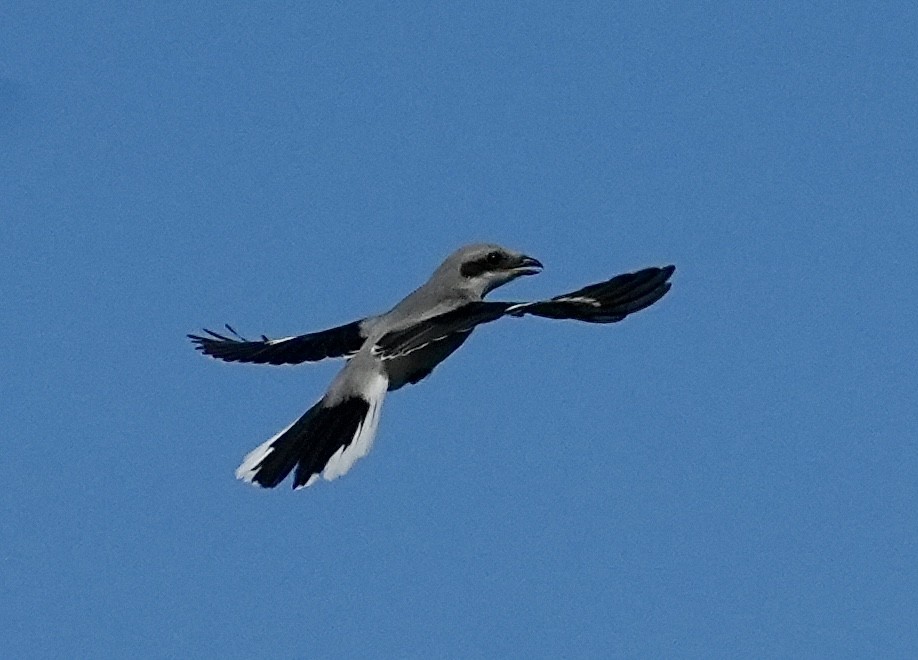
x=342, y=341
x=435, y=328
x=604, y=302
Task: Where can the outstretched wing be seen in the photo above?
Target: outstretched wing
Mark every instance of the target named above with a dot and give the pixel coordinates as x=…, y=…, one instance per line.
x=342, y=341
x=604, y=302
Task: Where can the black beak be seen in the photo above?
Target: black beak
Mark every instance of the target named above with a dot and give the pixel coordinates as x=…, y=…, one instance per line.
x=528, y=266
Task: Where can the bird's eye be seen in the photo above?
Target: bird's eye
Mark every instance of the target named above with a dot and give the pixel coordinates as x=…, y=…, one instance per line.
x=495, y=258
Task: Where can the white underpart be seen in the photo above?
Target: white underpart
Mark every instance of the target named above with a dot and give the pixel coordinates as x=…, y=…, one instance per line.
x=249, y=468
x=374, y=392
x=272, y=342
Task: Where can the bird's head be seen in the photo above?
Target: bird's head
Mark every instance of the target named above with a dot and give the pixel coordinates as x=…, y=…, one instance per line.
x=485, y=266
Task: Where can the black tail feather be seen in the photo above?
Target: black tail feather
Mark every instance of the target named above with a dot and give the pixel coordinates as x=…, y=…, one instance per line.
x=306, y=445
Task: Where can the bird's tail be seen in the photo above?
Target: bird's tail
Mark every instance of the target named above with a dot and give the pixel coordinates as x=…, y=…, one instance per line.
x=326, y=440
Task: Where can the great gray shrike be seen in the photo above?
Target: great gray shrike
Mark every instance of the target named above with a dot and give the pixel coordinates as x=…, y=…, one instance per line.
x=403, y=346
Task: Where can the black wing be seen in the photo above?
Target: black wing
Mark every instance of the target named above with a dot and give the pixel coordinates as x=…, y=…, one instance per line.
x=343, y=341
x=459, y=321
x=605, y=302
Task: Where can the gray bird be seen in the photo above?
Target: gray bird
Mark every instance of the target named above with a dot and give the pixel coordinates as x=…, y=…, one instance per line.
x=403, y=346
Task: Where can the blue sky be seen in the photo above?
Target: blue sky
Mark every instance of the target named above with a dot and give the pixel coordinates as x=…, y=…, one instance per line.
x=730, y=473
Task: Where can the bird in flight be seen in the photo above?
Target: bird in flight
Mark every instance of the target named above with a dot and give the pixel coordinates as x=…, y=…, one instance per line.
x=401, y=347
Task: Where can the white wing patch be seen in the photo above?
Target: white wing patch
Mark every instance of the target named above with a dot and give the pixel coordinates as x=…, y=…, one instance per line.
x=517, y=310
x=577, y=299
x=274, y=342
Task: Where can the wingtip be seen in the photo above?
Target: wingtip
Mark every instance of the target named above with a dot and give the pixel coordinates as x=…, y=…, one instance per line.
x=666, y=272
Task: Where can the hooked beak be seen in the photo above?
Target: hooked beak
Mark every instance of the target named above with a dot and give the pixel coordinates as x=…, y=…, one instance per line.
x=527, y=266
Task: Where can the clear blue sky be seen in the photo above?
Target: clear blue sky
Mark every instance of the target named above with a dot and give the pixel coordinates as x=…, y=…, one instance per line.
x=730, y=473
